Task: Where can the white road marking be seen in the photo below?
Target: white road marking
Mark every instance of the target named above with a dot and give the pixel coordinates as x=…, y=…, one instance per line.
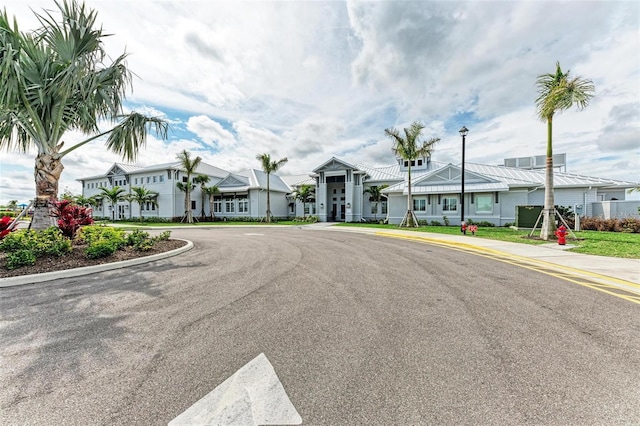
x=252, y=233
x=253, y=395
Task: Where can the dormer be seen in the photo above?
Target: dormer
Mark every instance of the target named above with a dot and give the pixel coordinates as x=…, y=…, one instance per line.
x=421, y=163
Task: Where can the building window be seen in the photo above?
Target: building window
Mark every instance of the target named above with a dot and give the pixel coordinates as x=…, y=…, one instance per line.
x=193, y=204
x=374, y=208
x=419, y=204
x=384, y=207
x=419, y=162
x=184, y=179
x=148, y=179
x=161, y=178
x=135, y=181
x=483, y=203
x=217, y=206
x=229, y=206
x=243, y=205
x=155, y=179
x=449, y=204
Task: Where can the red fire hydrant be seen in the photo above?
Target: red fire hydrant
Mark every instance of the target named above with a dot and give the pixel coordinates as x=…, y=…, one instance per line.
x=463, y=228
x=561, y=233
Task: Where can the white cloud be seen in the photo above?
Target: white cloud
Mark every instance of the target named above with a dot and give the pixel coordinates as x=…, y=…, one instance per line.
x=311, y=80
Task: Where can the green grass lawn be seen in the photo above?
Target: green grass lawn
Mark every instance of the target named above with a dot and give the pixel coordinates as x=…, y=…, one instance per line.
x=613, y=244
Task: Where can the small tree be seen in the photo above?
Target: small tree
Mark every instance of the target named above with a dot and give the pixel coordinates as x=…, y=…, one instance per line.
x=114, y=195
x=202, y=180
x=211, y=191
x=410, y=148
x=269, y=167
x=57, y=79
x=13, y=205
x=141, y=196
x=305, y=194
x=189, y=165
x=376, y=196
x=556, y=93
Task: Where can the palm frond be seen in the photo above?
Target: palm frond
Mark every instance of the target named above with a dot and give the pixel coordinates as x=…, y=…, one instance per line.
x=130, y=135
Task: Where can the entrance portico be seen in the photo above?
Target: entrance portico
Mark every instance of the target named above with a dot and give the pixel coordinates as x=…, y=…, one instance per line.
x=338, y=191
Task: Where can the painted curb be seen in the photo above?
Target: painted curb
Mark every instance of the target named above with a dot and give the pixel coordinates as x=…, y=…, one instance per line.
x=77, y=272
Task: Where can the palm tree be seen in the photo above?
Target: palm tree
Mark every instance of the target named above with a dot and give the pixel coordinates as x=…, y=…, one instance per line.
x=305, y=194
x=202, y=180
x=557, y=92
x=375, y=196
x=189, y=167
x=57, y=79
x=142, y=195
x=81, y=200
x=269, y=167
x=114, y=195
x=410, y=148
x=211, y=191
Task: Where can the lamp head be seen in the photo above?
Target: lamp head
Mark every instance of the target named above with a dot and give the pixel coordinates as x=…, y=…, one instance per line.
x=463, y=131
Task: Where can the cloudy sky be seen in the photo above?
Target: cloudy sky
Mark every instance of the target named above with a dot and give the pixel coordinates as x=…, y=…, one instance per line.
x=314, y=79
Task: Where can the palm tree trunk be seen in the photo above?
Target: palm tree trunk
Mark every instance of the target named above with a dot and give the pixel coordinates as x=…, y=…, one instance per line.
x=409, y=214
x=48, y=169
x=548, y=213
x=268, y=201
x=187, y=205
x=202, y=202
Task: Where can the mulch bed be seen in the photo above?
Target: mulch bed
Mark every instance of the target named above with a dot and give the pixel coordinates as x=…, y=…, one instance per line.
x=77, y=258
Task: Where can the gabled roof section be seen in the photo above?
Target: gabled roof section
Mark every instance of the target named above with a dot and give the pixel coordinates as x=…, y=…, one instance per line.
x=233, y=180
x=334, y=164
x=252, y=179
x=451, y=174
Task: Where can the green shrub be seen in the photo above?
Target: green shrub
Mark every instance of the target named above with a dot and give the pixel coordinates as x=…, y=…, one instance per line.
x=136, y=237
x=93, y=234
x=164, y=236
x=101, y=248
x=17, y=240
x=446, y=220
x=140, y=240
x=435, y=223
x=20, y=258
x=51, y=241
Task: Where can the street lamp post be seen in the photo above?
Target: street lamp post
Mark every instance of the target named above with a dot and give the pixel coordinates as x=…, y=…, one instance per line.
x=463, y=132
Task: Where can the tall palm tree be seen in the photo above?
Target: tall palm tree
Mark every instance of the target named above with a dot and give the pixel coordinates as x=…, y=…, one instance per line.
x=202, y=180
x=142, y=195
x=557, y=92
x=375, y=196
x=57, y=79
x=211, y=191
x=114, y=195
x=269, y=167
x=409, y=148
x=305, y=194
x=189, y=165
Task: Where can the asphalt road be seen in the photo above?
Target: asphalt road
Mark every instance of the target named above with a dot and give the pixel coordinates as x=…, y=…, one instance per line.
x=360, y=329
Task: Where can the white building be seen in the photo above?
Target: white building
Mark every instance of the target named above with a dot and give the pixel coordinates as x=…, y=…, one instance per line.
x=492, y=193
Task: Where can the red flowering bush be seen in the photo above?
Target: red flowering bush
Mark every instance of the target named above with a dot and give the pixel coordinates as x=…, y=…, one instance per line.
x=5, y=222
x=70, y=216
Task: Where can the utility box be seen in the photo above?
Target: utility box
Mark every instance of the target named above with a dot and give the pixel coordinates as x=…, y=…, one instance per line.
x=526, y=216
